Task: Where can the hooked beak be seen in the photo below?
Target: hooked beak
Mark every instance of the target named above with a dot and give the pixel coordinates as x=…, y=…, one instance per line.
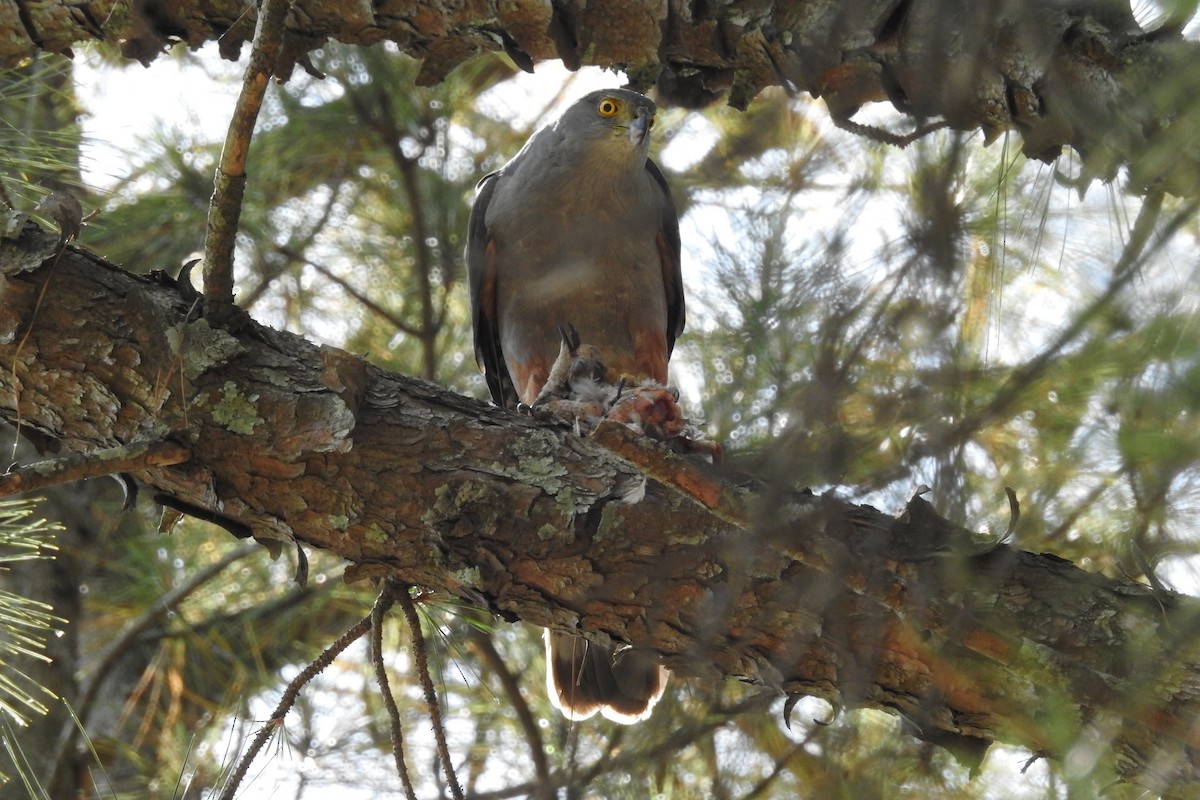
x=639, y=128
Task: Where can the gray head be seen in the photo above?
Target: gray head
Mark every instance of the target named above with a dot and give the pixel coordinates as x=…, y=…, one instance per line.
x=615, y=121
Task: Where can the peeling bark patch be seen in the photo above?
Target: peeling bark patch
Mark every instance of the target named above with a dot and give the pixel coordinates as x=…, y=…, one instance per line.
x=621, y=32
x=569, y=579
x=939, y=60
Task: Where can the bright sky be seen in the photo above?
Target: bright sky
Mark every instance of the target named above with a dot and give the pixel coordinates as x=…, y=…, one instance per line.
x=126, y=105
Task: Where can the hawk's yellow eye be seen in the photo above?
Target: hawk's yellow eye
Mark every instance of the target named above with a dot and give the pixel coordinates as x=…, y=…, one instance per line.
x=651, y=123
x=608, y=107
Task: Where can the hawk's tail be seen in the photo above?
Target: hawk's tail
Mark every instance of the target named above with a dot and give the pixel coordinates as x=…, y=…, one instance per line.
x=583, y=678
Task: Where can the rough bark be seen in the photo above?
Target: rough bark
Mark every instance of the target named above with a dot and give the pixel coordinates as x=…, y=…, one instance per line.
x=1080, y=74
x=726, y=577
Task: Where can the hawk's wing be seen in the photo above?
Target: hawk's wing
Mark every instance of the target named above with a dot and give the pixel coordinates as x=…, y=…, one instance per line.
x=669, y=255
x=481, y=278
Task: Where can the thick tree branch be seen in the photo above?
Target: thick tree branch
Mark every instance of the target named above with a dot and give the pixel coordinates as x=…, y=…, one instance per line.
x=802, y=593
x=1081, y=74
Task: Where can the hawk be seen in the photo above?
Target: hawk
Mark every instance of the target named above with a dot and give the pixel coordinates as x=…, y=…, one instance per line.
x=579, y=228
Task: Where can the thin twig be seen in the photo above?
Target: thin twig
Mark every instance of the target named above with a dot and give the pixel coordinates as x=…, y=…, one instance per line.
x=431, y=701
x=134, y=457
x=358, y=295
x=230, y=182
x=781, y=766
x=289, y=699
x=900, y=140
x=1014, y=513
x=382, y=604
